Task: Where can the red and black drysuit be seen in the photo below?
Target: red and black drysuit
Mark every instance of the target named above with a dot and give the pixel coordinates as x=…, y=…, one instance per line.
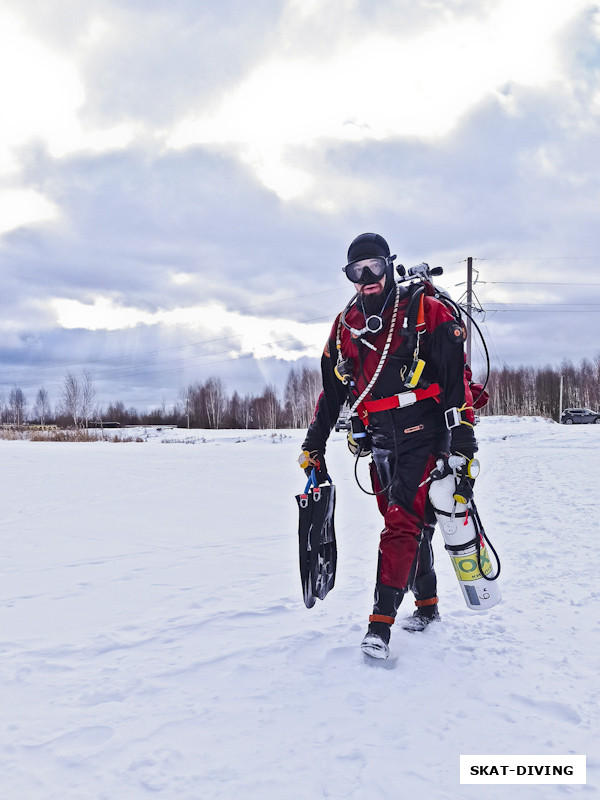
x=405, y=442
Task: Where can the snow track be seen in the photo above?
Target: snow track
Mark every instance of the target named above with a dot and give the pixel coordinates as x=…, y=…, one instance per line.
x=154, y=642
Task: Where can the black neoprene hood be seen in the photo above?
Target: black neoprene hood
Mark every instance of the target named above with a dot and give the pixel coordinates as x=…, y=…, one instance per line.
x=368, y=245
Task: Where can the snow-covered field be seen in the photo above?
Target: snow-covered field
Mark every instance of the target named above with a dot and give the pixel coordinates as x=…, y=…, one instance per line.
x=154, y=642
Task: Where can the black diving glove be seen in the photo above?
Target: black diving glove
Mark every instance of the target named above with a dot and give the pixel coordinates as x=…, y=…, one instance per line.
x=462, y=449
x=463, y=441
x=314, y=459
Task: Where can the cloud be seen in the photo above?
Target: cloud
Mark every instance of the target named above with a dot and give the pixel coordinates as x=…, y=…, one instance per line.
x=20, y=207
x=143, y=62
x=42, y=94
x=386, y=85
x=261, y=337
x=145, y=364
x=132, y=219
x=221, y=156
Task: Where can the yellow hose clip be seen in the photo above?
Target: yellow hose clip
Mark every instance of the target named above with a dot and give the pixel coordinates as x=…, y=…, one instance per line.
x=304, y=459
x=464, y=491
x=415, y=373
x=473, y=468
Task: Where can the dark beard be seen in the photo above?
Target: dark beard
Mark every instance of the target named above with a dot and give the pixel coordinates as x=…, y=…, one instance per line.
x=373, y=303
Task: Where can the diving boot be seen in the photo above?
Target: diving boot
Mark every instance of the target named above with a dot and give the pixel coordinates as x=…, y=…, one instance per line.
x=377, y=639
x=426, y=613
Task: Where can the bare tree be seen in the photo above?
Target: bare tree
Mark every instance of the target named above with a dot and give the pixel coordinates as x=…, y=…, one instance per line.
x=240, y=411
x=87, y=394
x=246, y=406
x=71, y=398
x=185, y=403
x=17, y=405
x=536, y=391
x=267, y=410
x=41, y=407
x=215, y=400
x=233, y=415
x=300, y=396
x=294, y=399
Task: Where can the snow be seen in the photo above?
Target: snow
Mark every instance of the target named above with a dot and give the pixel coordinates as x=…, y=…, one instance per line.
x=154, y=642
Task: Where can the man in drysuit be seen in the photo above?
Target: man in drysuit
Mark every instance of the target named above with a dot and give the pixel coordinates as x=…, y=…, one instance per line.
x=397, y=355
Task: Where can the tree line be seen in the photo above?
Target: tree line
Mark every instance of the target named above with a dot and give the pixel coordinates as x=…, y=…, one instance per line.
x=523, y=391
x=202, y=404
x=529, y=391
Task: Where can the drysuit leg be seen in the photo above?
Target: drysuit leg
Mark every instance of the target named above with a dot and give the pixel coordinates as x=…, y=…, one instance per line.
x=401, y=500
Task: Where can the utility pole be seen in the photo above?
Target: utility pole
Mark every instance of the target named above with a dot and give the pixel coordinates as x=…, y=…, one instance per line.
x=560, y=401
x=469, y=305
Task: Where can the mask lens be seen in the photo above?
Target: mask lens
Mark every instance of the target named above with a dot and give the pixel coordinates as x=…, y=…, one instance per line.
x=365, y=270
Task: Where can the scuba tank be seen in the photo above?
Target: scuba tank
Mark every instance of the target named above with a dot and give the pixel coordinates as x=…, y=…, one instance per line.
x=463, y=533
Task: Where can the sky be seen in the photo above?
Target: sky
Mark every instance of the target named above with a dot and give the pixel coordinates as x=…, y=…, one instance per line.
x=180, y=181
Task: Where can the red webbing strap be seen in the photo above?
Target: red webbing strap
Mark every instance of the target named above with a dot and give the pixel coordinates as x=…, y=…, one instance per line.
x=395, y=400
x=421, y=315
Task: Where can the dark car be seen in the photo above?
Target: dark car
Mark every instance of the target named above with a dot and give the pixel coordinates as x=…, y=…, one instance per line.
x=579, y=416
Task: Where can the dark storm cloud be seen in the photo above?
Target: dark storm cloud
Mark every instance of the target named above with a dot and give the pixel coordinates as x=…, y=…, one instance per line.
x=134, y=217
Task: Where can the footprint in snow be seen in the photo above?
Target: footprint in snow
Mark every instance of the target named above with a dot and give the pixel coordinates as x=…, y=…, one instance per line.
x=80, y=739
x=550, y=708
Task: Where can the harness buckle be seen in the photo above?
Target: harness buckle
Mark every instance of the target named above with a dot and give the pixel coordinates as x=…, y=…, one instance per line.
x=452, y=418
x=406, y=399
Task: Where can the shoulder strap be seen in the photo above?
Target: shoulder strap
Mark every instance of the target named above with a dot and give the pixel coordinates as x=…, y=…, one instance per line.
x=414, y=317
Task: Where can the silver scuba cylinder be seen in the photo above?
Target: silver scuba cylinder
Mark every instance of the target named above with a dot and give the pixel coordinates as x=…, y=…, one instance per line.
x=463, y=537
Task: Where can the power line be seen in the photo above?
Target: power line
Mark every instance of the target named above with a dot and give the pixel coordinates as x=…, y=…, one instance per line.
x=535, y=283
x=538, y=258
x=157, y=351
x=143, y=368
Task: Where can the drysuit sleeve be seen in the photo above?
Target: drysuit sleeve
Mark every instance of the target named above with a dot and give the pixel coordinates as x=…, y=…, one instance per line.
x=330, y=401
x=447, y=354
